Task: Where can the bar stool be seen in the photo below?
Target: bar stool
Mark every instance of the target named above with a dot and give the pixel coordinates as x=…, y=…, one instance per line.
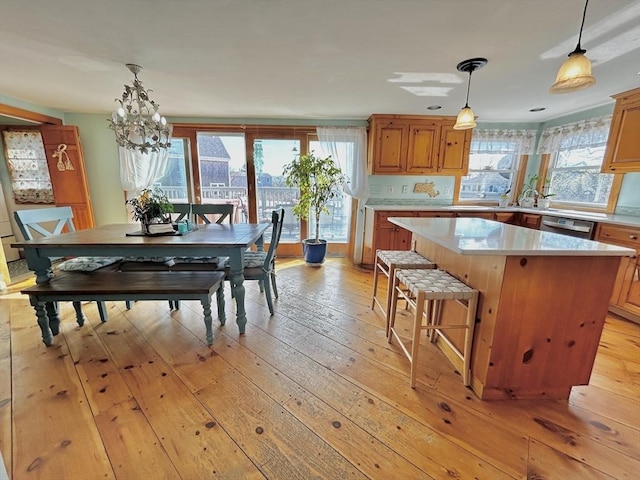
x=424, y=291
x=387, y=262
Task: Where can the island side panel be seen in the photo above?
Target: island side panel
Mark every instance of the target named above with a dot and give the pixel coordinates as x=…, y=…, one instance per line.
x=550, y=318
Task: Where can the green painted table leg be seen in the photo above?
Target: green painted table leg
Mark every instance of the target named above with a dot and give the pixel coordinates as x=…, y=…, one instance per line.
x=43, y=322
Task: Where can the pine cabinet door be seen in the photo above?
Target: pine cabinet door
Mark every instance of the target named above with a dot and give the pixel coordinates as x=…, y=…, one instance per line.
x=67, y=171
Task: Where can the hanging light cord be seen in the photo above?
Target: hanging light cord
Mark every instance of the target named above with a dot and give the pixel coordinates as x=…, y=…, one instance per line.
x=466, y=104
x=579, y=49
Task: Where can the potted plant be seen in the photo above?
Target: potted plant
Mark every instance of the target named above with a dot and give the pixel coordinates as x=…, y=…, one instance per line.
x=151, y=206
x=528, y=195
x=543, y=200
x=318, y=180
x=504, y=198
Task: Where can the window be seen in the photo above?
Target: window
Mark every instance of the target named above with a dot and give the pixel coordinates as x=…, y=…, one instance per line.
x=575, y=177
x=490, y=175
x=27, y=163
x=494, y=160
x=572, y=161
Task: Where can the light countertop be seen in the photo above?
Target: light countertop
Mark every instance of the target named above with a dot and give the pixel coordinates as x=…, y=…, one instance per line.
x=625, y=220
x=477, y=236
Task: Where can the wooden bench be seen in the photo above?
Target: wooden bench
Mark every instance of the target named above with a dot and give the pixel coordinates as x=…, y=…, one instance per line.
x=127, y=286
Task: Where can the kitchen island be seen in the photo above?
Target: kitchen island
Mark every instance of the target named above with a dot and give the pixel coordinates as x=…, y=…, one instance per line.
x=543, y=301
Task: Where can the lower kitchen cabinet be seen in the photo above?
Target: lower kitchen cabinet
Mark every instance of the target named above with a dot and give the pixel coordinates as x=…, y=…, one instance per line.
x=625, y=300
x=381, y=234
x=529, y=220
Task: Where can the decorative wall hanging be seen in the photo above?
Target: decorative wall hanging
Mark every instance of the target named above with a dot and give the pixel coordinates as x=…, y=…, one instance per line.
x=64, y=163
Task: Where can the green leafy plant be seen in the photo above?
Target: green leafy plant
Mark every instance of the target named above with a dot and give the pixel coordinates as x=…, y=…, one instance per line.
x=318, y=179
x=529, y=188
x=151, y=204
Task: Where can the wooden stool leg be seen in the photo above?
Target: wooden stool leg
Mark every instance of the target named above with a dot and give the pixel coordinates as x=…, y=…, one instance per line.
x=375, y=283
x=391, y=276
x=472, y=305
x=434, y=320
x=415, y=339
x=393, y=284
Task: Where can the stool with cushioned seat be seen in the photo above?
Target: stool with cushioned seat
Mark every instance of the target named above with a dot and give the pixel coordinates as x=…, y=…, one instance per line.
x=424, y=290
x=387, y=262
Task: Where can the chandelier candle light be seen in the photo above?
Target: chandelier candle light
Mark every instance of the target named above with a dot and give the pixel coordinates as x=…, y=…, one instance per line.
x=575, y=72
x=466, y=118
x=137, y=123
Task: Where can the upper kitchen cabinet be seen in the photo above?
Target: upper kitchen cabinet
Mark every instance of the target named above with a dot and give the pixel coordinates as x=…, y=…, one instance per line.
x=623, y=147
x=416, y=145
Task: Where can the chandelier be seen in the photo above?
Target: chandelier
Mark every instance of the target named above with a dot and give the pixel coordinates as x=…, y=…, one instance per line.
x=137, y=123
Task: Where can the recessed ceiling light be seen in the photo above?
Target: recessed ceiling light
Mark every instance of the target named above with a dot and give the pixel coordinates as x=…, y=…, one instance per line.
x=434, y=107
x=538, y=109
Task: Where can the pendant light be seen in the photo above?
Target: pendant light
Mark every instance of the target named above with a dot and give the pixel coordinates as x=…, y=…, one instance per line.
x=575, y=72
x=466, y=118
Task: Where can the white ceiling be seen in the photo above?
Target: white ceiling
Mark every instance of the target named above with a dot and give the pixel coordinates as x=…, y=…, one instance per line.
x=314, y=59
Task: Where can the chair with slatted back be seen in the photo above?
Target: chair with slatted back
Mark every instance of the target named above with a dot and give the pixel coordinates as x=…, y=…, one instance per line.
x=261, y=266
x=221, y=211
x=47, y=222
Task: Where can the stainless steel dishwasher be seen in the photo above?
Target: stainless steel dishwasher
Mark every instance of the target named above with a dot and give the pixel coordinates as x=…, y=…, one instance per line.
x=568, y=226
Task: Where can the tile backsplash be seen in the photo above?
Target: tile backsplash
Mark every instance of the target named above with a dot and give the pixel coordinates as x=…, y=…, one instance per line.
x=401, y=190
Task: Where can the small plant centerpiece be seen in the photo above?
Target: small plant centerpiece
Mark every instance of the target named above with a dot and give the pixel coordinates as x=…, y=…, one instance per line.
x=151, y=206
x=318, y=180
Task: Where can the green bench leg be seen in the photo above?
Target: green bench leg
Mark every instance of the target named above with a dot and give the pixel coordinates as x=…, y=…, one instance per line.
x=222, y=316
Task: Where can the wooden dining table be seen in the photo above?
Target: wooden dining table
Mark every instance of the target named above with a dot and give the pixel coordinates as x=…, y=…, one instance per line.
x=121, y=240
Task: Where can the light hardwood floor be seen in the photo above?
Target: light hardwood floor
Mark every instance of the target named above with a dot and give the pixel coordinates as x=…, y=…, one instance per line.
x=313, y=392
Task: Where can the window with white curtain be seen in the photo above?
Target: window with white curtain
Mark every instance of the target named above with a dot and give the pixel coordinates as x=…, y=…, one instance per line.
x=494, y=159
x=27, y=164
x=576, y=152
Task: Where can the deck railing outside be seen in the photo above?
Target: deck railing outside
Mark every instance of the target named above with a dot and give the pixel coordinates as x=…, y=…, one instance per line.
x=333, y=226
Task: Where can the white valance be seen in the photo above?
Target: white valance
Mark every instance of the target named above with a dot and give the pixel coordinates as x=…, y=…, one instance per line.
x=593, y=132
x=503, y=141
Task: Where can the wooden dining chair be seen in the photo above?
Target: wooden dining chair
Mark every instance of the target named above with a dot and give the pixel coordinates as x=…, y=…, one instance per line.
x=47, y=222
x=260, y=265
x=181, y=211
x=220, y=211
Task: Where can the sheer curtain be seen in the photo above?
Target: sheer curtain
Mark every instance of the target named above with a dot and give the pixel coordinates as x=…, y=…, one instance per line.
x=592, y=132
x=141, y=170
x=348, y=147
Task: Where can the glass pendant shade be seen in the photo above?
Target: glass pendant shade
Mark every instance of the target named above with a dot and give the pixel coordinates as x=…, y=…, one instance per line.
x=574, y=74
x=466, y=119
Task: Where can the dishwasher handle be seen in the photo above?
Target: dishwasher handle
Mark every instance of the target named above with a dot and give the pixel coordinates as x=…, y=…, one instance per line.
x=573, y=228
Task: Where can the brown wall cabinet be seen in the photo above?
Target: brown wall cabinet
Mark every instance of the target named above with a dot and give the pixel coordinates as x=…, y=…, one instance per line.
x=414, y=144
x=625, y=300
x=623, y=147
